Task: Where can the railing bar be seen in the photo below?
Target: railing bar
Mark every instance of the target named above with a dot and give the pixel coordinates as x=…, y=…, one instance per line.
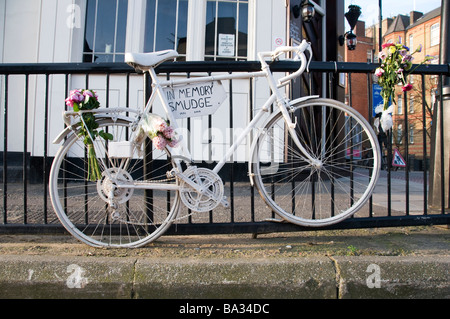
x=370, y=117
x=406, y=139
x=5, y=152
x=24, y=155
x=389, y=168
x=441, y=123
x=424, y=144
x=217, y=66
x=333, y=134
x=45, y=185
x=168, y=196
x=66, y=93
x=211, y=220
x=86, y=190
x=148, y=155
x=231, y=126
x=350, y=102
x=188, y=75
x=252, y=187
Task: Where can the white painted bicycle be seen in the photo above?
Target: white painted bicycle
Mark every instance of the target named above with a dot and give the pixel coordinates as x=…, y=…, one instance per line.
x=304, y=159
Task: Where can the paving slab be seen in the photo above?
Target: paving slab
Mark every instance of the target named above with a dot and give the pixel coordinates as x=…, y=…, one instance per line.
x=401, y=262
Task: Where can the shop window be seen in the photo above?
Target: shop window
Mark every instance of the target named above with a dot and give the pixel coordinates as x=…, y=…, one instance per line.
x=226, y=30
x=166, y=25
x=105, y=32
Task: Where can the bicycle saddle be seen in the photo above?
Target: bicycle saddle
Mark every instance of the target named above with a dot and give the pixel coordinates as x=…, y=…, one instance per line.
x=146, y=60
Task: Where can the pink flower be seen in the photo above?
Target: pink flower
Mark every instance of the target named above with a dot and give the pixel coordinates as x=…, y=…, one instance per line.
x=382, y=55
x=407, y=58
x=69, y=102
x=168, y=132
x=159, y=142
x=173, y=143
x=88, y=93
x=379, y=72
x=407, y=87
x=160, y=125
x=75, y=96
x=386, y=45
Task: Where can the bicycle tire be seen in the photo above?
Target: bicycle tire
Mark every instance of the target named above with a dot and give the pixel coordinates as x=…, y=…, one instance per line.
x=316, y=196
x=140, y=216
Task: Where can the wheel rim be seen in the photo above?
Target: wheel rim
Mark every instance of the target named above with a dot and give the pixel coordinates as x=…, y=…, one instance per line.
x=133, y=218
x=317, y=195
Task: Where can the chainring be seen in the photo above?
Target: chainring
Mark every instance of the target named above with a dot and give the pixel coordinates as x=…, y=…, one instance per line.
x=209, y=194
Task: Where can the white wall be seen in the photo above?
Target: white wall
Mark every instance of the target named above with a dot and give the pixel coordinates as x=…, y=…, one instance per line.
x=50, y=31
x=37, y=31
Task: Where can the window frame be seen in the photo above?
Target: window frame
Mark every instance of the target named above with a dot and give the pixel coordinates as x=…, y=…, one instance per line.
x=154, y=37
x=434, y=34
x=411, y=134
x=216, y=56
x=400, y=104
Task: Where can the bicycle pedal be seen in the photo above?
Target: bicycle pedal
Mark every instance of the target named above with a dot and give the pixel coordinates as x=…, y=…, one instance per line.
x=224, y=202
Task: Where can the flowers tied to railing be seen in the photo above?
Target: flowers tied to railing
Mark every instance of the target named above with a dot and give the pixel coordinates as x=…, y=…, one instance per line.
x=396, y=65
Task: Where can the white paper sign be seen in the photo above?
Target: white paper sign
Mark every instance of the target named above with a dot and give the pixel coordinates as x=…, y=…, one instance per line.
x=195, y=99
x=226, y=44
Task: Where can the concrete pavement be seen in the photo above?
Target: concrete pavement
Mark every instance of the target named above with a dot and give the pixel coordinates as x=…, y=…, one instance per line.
x=407, y=262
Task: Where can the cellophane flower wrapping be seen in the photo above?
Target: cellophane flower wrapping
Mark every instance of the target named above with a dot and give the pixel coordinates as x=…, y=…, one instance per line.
x=158, y=130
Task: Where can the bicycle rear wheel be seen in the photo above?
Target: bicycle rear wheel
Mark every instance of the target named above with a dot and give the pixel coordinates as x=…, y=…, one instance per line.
x=101, y=214
x=317, y=195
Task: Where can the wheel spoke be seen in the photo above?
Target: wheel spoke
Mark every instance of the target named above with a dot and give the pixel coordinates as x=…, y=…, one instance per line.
x=317, y=195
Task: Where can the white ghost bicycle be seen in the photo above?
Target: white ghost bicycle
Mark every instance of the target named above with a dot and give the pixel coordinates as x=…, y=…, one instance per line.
x=304, y=160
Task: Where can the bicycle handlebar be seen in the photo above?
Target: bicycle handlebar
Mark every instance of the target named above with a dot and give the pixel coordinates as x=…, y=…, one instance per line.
x=299, y=52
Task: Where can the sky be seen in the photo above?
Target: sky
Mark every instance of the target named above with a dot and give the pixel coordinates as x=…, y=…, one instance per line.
x=391, y=8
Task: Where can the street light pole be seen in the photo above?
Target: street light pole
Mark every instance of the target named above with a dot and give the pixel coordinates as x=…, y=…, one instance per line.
x=439, y=195
x=380, y=20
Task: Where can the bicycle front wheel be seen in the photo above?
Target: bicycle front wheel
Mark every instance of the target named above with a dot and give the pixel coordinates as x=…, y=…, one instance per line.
x=101, y=214
x=334, y=187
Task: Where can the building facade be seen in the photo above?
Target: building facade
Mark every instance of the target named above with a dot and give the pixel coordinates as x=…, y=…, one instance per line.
x=414, y=31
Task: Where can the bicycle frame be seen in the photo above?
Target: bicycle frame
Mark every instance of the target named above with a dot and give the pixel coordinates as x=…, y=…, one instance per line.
x=277, y=96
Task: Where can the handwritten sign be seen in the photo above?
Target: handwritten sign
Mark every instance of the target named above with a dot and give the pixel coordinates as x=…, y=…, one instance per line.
x=195, y=99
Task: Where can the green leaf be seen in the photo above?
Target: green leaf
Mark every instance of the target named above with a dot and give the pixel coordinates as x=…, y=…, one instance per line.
x=106, y=136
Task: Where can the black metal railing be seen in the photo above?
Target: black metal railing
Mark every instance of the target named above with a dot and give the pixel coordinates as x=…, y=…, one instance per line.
x=32, y=96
